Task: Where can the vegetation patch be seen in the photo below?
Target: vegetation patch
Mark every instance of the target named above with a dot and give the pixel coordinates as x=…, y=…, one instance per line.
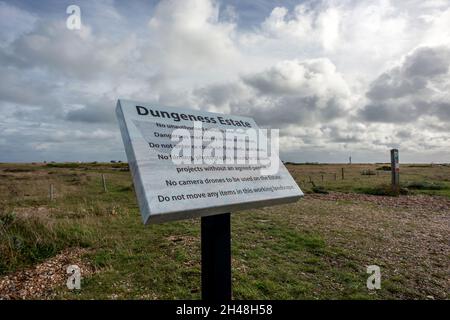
x=424, y=185
x=383, y=190
x=425, y=165
x=63, y=165
x=16, y=170
x=302, y=163
x=320, y=189
x=26, y=239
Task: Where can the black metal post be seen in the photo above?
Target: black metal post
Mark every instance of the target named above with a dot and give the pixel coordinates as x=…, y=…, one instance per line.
x=216, y=258
x=395, y=169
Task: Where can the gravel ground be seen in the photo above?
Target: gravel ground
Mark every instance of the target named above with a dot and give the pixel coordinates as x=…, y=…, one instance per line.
x=407, y=235
x=416, y=202
x=40, y=281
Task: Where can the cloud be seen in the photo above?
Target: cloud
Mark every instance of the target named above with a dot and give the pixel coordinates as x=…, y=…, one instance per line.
x=92, y=114
x=21, y=89
x=14, y=22
x=189, y=34
x=305, y=24
x=418, y=86
x=289, y=93
x=336, y=76
x=427, y=62
x=76, y=54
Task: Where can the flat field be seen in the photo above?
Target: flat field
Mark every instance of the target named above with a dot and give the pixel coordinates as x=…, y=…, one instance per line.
x=317, y=248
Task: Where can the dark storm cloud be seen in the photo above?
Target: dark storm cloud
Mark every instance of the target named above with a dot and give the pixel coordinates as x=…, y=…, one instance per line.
x=93, y=111
x=92, y=114
x=418, y=87
x=442, y=110
x=390, y=112
x=394, y=85
x=427, y=62
x=304, y=111
x=403, y=134
x=25, y=90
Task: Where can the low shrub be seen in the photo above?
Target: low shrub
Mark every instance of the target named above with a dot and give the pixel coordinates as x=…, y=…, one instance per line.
x=383, y=190
x=17, y=170
x=423, y=185
x=319, y=189
x=64, y=165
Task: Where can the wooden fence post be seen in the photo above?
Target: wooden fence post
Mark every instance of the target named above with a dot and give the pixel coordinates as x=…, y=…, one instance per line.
x=51, y=192
x=104, y=183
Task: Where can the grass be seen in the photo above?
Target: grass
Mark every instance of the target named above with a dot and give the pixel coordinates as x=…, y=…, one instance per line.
x=370, y=178
x=312, y=249
x=28, y=240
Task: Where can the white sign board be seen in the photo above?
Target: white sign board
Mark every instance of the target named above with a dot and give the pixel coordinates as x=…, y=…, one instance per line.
x=170, y=190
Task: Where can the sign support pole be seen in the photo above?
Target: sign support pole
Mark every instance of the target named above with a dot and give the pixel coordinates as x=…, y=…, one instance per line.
x=216, y=257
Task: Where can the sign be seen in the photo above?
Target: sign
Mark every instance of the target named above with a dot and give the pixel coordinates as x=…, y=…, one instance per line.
x=184, y=163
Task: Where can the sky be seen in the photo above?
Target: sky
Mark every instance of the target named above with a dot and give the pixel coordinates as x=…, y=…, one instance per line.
x=339, y=78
